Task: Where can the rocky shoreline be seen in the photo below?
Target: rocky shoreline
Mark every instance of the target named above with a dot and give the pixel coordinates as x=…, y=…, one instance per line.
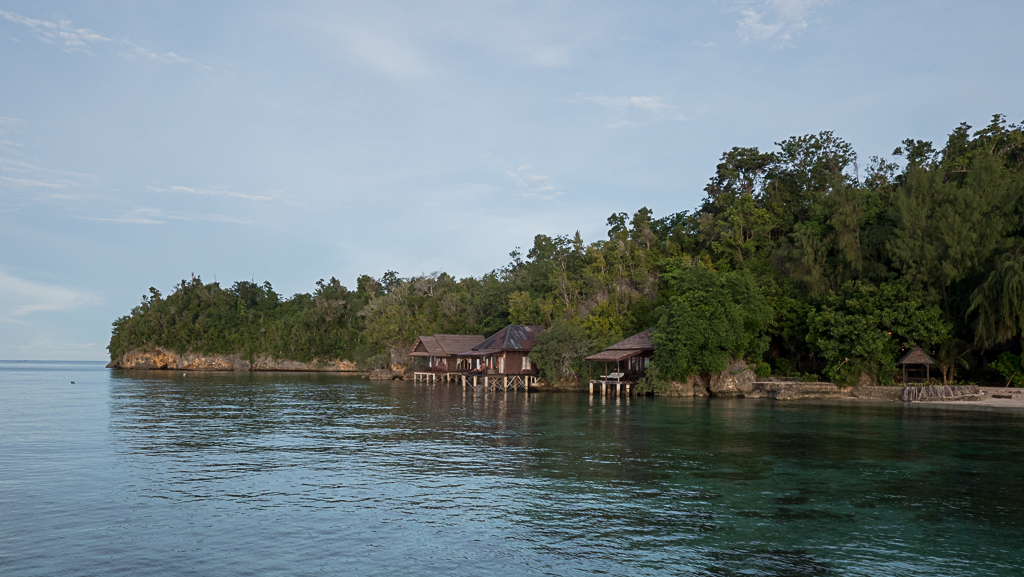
x=737, y=381
x=160, y=358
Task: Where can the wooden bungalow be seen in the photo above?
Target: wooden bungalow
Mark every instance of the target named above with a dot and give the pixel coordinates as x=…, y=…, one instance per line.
x=916, y=366
x=442, y=354
x=502, y=359
x=631, y=356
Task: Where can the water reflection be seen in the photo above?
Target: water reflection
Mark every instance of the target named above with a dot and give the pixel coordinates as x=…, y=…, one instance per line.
x=565, y=482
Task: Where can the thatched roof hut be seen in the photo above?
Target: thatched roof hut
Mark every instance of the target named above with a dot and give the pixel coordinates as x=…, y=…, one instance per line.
x=912, y=363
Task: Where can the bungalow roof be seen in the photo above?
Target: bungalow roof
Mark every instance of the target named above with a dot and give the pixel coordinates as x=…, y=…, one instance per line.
x=614, y=356
x=455, y=344
x=632, y=346
x=916, y=356
x=443, y=345
x=641, y=341
x=510, y=338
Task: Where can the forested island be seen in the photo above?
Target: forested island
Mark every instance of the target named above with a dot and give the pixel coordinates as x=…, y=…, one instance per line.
x=804, y=261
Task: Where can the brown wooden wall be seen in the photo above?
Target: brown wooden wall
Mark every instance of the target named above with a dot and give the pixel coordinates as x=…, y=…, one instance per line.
x=514, y=364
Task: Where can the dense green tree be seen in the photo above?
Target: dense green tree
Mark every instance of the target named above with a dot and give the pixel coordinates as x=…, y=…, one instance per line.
x=862, y=328
x=559, y=352
x=709, y=318
x=782, y=240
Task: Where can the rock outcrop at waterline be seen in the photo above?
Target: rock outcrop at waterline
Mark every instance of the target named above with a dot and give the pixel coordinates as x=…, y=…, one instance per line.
x=161, y=358
x=738, y=380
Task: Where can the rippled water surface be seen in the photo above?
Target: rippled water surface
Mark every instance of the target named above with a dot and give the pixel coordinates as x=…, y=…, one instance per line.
x=158, y=473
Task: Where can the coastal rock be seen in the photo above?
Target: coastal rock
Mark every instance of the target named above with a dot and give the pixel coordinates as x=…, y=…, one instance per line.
x=160, y=359
x=793, y=390
x=735, y=381
x=877, y=393
x=687, y=388
x=266, y=363
x=381, y=375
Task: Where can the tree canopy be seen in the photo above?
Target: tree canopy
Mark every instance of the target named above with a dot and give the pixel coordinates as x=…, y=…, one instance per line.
x=800, y=259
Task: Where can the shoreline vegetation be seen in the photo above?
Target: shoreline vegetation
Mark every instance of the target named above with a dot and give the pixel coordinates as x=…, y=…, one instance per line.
x=804, y=262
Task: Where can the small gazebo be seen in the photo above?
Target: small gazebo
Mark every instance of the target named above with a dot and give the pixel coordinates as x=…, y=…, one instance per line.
x=631, y=356
x=916, y=365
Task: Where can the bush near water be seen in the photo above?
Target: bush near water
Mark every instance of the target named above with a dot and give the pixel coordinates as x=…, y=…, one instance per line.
x=803, y=260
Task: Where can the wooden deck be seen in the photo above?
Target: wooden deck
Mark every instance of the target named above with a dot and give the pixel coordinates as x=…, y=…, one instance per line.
x=613, y=383
x=481, y=381
x=502, y=382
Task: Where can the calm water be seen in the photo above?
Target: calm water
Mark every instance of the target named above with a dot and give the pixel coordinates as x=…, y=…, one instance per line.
x=155, y=473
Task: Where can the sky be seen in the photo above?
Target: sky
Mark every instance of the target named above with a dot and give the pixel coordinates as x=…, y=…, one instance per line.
x=143, y=142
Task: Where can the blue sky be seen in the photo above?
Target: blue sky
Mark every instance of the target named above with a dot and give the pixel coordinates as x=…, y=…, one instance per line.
x=142, y=142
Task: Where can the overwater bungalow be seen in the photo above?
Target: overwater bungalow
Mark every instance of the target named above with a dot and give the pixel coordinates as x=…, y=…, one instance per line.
x=631, y=356
x=442, y=354
x=502, y=360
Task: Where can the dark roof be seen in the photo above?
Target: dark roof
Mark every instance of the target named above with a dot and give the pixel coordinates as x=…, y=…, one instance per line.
x=510, y=338
x=429, y=347
x=641, y=341
x=916, y=356
x=626, y=348
x=444, y=345
x=455, y=344
x=614, y=355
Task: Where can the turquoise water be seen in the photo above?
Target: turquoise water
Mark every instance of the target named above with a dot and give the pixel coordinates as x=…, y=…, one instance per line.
x=156, y=473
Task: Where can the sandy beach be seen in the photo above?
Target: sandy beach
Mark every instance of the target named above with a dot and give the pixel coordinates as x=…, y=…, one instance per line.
x=999, y=397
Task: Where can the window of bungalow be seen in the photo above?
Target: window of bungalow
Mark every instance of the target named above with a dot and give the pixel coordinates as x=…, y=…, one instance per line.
x=526, y=363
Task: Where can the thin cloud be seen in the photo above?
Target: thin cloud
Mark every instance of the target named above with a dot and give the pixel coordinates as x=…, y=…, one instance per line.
x=387, y=54
x=649, y=103
x=213, y=192
x=8, y=182
x=532, y=184
x=73, y=39
x=10, y=145
x=157, y=216
x=23, y=298
x=60, y=32
x=634, y=111
x=774, y=19
x=135, y=51
x=15, y=174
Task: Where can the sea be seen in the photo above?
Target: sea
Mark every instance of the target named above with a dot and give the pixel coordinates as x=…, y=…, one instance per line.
x=114, y=472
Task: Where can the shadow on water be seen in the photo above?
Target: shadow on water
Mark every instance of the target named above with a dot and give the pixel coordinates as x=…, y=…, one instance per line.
x=623, y=486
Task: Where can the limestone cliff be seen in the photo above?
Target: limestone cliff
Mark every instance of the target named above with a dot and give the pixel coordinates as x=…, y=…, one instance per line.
x=160, y=358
